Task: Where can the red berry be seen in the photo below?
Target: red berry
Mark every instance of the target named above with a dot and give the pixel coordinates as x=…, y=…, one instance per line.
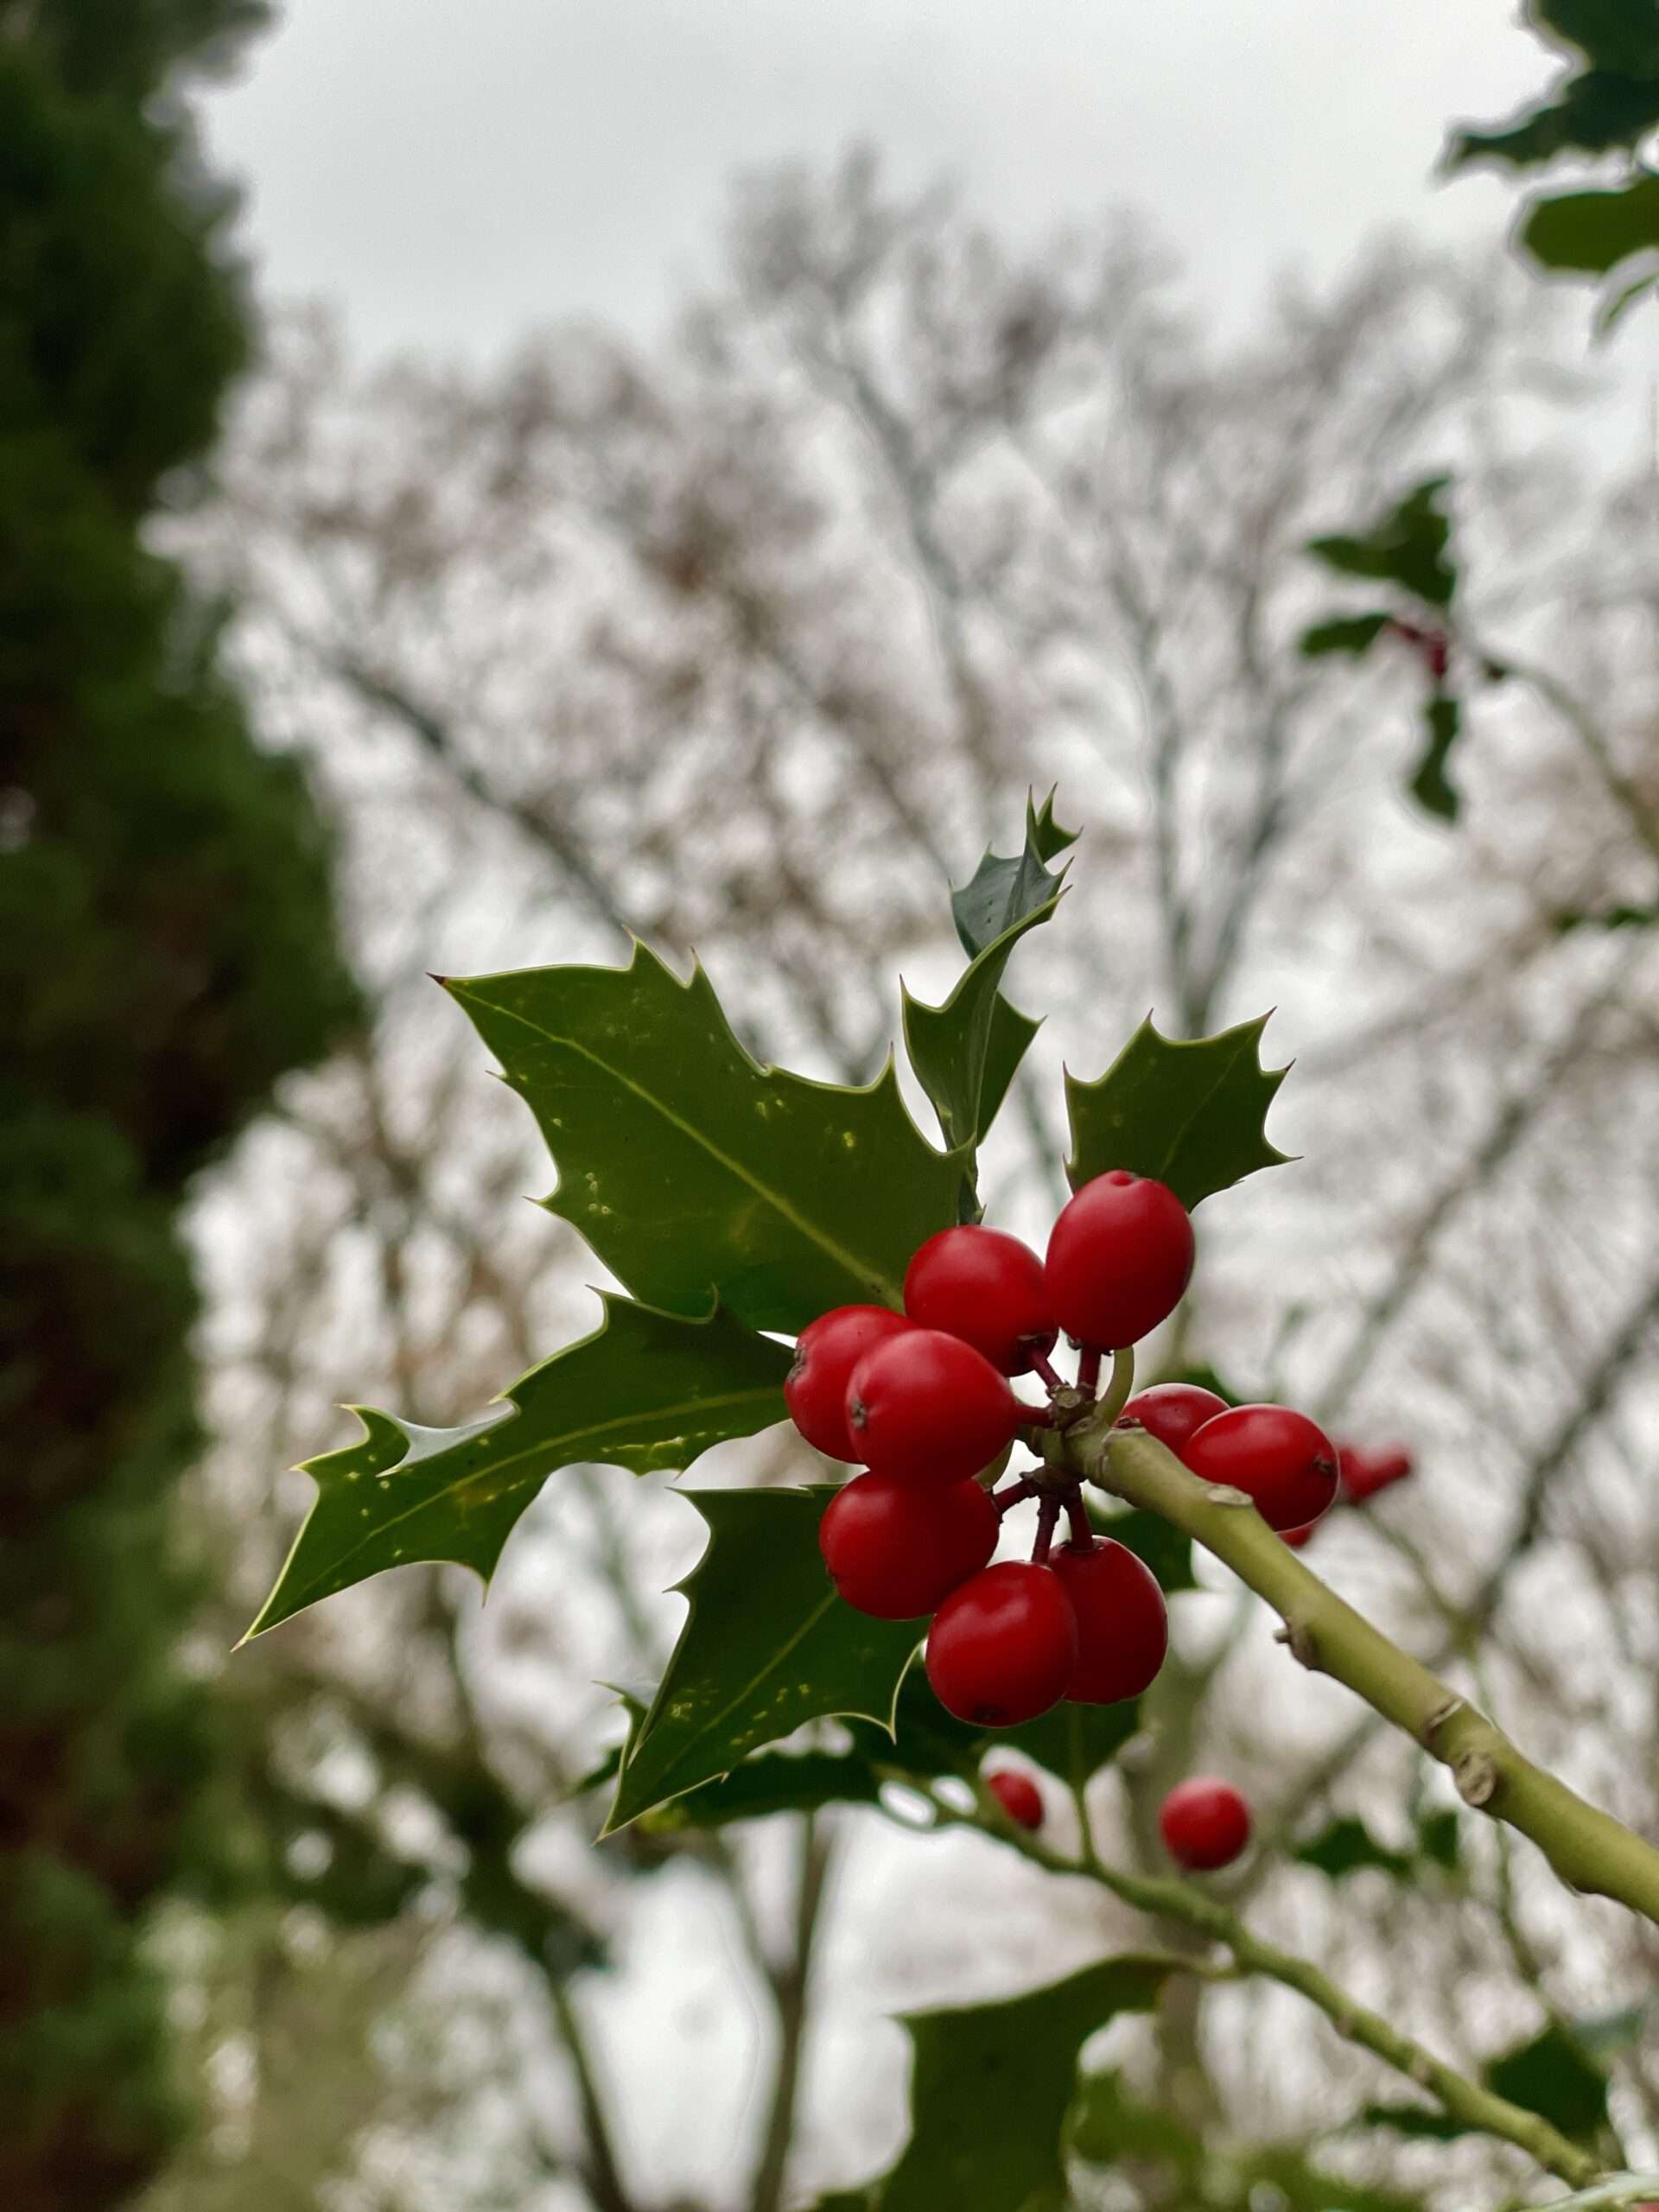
x=1275, y=1456
x=985, y=1286
x=1170, y=1411
x=927, y=1408
x=826, y=1353
x=1297, y=1537
x=1122, y=1622
x=1119, y=1257
x=1002, y=1647
x=1205, y=1823
x=1364, y=1473
x=1018, y=1796
x=897, y=1552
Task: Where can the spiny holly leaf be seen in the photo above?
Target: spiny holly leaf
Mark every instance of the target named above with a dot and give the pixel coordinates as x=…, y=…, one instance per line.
x=1346, y=1847
x=1189, y=1115
x=1343, y=633
x=1430, y=786
x=950, y=1045
x=645, y=1390
x=990, y=2085
x=1553, y=2074
x=1406, y=546
x=766, y=1646
x=686, y=1165
x=1003, y=892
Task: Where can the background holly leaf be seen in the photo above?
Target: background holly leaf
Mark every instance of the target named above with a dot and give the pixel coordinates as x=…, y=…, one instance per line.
x=1430, y=786
x=1554, y=2075
x=689, y=1167
x=1591, y=233
x=1406, y=546
x=1072, y=1742
x=1151, y=1538
x=1347, y=1846
x=991, y=2084
x=1190, y=1114
x=645, y=1390
x=766, y=1646
x=1002, y=892
x=774, y=1781
x=1343, y=633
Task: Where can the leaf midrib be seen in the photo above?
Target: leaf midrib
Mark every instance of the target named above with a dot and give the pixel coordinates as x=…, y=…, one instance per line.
x=891, y=1292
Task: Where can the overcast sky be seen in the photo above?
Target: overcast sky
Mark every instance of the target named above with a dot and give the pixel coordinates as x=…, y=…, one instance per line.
x=451, y=171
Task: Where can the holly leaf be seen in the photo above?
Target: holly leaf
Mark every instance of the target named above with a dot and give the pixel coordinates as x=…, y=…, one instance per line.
x=1191, y=1115
x=1343, y=633
x=766, y=1646
x=991, y=2084
x=1405, y=546
x=1593, y=111
x=1440, y=1838
x=1074, y=1741
x=772, y=1781
x=688, y=1165
x=966, y=1052
x=1109, y=2124
x=1430, y=786
x=645, y=1390
x=1347, y=1846
x=1151, y=1538
x=1002, y=892
x=1622, y=35
x=1591, y=233
x=1553, y=2074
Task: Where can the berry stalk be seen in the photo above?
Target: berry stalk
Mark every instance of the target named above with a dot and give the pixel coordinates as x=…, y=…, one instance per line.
x=1588, y=1849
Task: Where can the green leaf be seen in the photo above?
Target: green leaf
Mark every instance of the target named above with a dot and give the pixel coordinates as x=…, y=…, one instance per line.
x=1553, y=2075
x=1440, y=1837
x=1002, y=892
x=766, y=1646
x=1416, y=2119
x=1618, y=34
x=950, y=1045
x=1343, y=633
x=1346, y=1847
x=990, y=2085
x=689, y=1167
x=1151, y=1538
x=645, y=1390
x=1074, y=1741
x=1592, y=113
x=1430, y=786
x=1190, y=1114
x=1010, y=1039
x=1591, y=233
x=1406, y=546
x=1109, y=2124
x=772, y=1781
x=1606, y=918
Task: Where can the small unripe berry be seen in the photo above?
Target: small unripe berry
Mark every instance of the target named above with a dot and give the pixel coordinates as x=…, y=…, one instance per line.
x=928, y=1409
x=897, y=1552
x=1018, y=1796
x=1002, y=1647
x=827, y=1350
x=1170, y=1411
x=1118, y=1258
x=985, y=1286
x=1122, y=1621
x=1284, y=1464
x=1364, y=1473
x=1205, y=1824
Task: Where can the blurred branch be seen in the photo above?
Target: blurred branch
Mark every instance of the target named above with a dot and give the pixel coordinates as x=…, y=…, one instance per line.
x=790, y=1982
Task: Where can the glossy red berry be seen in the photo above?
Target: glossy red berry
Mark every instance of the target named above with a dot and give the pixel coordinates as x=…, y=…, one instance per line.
x=1118, y=1258
x=1205, y=1824
x=1003, y=1647
x=928, y=1409
x=899, y=1552
x=987, y=1288
x=1122, y=1622
x=1018, y=1796
x=827, y=1350
x=1275, y=1456
x=1364, y=1473
x=1297, y=1537
x=1170, y=1411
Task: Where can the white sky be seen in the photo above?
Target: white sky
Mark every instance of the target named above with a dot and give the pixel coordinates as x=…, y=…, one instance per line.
x=452, y=171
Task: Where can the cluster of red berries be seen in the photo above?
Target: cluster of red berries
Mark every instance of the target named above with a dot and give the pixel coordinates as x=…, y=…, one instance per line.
x=923, y=1400
x=1205, y=1823
x=1283, y=1462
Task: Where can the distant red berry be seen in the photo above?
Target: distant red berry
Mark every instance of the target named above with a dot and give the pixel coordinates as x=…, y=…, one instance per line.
x=1205, y=1824
x=1297, y=1537
x=1170, y=1411
x=1003, y=1647
x=828, y=1349
x=1118, y=1258
x=1364, y=1473
x=897, y=1552
x=985, y=1286
x=1018, y=1796
x=1277, y=1456
x=1122, y=1622
x=928, y=1409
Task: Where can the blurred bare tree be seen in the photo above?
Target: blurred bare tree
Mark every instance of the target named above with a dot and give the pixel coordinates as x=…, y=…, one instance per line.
x=745, y=642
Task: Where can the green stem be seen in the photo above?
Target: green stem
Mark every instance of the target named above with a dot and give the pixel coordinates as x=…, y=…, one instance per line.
x=1186, y=1903
x=1588, y=1849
